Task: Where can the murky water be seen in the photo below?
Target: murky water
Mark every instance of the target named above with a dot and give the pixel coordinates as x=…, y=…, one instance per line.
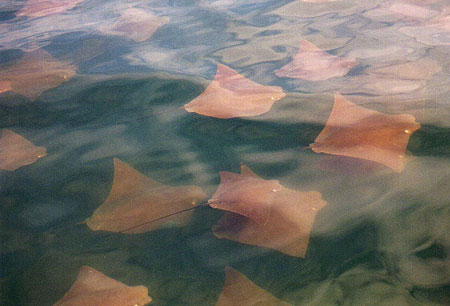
x=91, y=86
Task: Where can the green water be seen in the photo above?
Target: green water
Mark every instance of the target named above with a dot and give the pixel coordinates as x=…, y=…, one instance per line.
x=382, y=238
x=372, y=224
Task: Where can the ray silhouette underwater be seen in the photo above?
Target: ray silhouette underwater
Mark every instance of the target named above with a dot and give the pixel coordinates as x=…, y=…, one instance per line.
x=134, y=228
x=232, y=95
x=92, y=288
x=313, y=64
x=278, y=217
x=135, y=202
x=420, y=106
x=131, y=228
x=265, y=213
x=366, y=134
x=34, y=73
x=136, y=24
x=274, y=137
x=239, y=290
x=16, y=151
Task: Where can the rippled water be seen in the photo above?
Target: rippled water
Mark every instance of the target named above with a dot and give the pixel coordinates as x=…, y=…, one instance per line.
x=382, y=238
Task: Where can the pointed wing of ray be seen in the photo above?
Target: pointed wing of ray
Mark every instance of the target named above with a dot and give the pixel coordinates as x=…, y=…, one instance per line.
x=93, y=288
x=36, y=72
x=313, y=64
x=232, y=95
x=239, y=290
x=16, y=151
x=136, y=200
x=358, y=132
x=264, y=213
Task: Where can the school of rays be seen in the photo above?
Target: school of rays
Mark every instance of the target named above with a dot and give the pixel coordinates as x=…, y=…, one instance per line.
x=256, y=211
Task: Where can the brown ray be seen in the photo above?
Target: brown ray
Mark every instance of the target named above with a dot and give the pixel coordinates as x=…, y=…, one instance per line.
x=232, y=95
x=136, y=24
x=40, y=8
x=264, y=213
x=16, y=151
x=239, y=290
x=34, y=73
x=135, y=200
x=314, y=64
x=92, y=288
x=358, y=132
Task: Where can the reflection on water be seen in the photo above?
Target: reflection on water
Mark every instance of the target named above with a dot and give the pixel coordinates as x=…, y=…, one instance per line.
x=181, y=90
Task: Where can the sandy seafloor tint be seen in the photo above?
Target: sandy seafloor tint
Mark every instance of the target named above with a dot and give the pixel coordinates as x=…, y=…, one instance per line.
x=383, y=238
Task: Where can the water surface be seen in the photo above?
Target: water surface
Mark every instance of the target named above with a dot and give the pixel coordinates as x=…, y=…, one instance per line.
x=383, y=237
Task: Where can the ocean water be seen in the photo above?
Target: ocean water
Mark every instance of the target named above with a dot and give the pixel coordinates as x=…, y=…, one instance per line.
x=383, y=236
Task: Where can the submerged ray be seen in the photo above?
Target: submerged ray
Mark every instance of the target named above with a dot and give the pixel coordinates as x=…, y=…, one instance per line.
x=264, y=213
x=239, y=290
x=93, y=288
x=41, y=8
x=34, y=73
x=232, y=95
x=16, y=151
x=358, y=132
x=135, y=201
x=137, y=24
x=313, y=64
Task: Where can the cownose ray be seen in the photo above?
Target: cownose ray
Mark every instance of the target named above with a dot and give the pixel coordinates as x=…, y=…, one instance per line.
x=93, y=288
x=16, y=151
x=232, y=95
x=313, y=64
x=264, y=213
x=136, y=24
x=41, y=8
x=136, y=201
x=239, y=290
x=358, y=132
x=36, y=72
